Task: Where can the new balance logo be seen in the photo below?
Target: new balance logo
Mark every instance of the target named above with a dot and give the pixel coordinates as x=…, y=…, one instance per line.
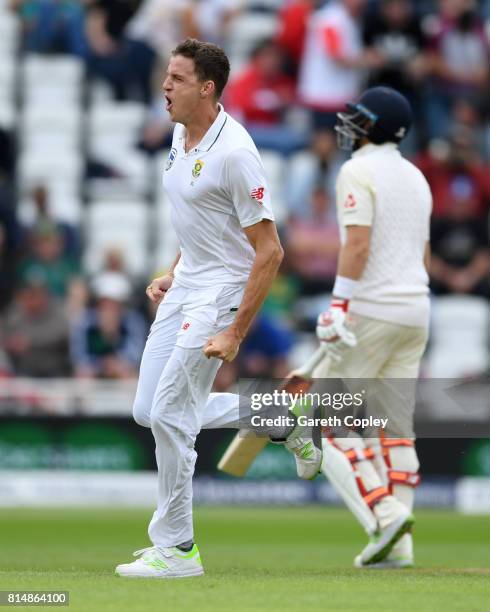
x=186, y=326
x=257, y=193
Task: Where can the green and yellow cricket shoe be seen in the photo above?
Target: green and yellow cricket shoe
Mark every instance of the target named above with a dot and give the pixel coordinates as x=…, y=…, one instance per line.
x=155, y=562
x=382, y=542
x=391, y=562
x=400, y=557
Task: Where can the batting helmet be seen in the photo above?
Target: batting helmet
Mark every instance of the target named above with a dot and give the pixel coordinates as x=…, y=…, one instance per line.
x=381, y=115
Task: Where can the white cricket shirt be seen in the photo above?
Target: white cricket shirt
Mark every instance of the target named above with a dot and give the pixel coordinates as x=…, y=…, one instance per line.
x=381, y=189
x=215, y=191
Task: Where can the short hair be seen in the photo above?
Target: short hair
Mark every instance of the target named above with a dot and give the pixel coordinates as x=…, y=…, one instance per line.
x=210, y=61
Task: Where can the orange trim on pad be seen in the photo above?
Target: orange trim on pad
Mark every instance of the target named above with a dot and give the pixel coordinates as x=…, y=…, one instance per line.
x=391, y=442
x=409, y=479
x=376, y=495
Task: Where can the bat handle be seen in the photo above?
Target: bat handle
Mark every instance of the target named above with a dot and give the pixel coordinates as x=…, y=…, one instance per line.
x=306, y=370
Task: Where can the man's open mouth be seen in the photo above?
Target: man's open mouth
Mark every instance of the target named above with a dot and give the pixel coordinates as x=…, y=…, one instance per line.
x=168, y=106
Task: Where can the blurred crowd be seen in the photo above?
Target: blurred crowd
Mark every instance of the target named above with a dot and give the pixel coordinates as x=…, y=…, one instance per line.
x=287, y=88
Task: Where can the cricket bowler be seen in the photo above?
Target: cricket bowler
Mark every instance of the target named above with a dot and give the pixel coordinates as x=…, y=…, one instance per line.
x=377, y=323
x=229, y=255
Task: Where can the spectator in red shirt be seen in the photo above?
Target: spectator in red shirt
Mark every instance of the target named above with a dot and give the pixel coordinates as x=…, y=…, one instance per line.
x=460, y=260
x=454, y=168
x=293, y=18
x=260, y=95
x=313, y=245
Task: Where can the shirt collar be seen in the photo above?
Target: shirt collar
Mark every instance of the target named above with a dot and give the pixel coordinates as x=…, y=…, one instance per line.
x=212, y=135
x=369, y=148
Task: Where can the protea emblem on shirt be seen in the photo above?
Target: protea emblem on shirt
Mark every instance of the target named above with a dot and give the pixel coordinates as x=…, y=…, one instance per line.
x=196, y=172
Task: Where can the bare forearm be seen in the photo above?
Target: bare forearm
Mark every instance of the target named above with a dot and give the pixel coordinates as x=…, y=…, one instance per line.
x=95, y=25
x=98, y=37
x=369, y=59
x=15, y=5
x=353, y=257
x=479, y=267
x=439, y=269
x=261, y=276
x=174, y=264
x=190, y=28
x=302, y=245
x=352, y=261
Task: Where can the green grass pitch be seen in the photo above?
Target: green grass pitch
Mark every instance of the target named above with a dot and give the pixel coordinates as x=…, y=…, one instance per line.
x=269, y=559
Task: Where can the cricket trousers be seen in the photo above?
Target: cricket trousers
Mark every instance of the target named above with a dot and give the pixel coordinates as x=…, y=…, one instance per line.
x=388, y=352
x=386, y=361
x=173, y=397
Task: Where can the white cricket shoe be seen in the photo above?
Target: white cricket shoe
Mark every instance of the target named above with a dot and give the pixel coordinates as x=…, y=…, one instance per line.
x=391, y=562
x=308, y=457
x=157, y=562
x=400, y=557
x=383, y=541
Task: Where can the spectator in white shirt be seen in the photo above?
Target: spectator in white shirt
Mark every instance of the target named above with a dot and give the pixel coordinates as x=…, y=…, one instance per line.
x=331, y=71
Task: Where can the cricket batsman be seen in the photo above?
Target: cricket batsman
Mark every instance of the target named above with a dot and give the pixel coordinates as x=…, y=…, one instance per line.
x=229, y=255
x=377, y=323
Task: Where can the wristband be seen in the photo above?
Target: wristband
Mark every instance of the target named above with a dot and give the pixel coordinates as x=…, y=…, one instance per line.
x=344, y=287
x=340, y=303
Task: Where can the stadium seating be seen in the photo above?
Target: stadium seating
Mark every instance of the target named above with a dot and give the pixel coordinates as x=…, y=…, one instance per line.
x=115, y=124
x=9, y=32
x=65, y=204
x=165, y=240
x=246, y=30
x=34, y=168
x=50, y=135
x=460, y=331
x=49, y=81
x=61, y=71
x=121, y=224
x=7, y=114
x=9, y=40
x=113, y=133
x=51, y=128
x=7, y=78
x=275, y=166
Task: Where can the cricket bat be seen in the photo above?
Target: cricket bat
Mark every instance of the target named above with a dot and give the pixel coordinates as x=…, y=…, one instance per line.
x=245, y=446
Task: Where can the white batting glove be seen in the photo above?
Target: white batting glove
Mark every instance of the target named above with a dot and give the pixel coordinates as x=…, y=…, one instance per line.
x=332, y=330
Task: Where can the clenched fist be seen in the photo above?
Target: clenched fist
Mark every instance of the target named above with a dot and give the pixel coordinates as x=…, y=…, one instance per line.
x=158, y=287
x=224, y=345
